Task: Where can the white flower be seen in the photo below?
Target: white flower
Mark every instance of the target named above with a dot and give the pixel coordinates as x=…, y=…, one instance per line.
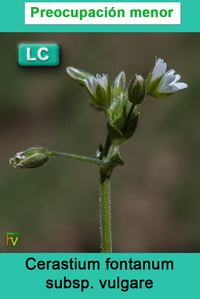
x=97, y=86
x=77, y=75
x=99, y=89
x=92, y=82
x=161, y=83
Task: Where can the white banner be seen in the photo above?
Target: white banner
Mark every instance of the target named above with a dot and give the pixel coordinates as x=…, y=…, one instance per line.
x=102, y=13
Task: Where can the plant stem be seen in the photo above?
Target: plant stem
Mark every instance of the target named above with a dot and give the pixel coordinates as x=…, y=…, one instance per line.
x=105, y=214
x=111, y=159
x=107, y=146
x=77, y=157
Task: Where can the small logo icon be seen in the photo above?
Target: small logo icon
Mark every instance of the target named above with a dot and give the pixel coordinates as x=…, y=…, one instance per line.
x=12, y=239
x=38, y=54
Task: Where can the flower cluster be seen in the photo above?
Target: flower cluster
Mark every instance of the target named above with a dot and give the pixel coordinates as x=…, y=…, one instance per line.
x=120, y=101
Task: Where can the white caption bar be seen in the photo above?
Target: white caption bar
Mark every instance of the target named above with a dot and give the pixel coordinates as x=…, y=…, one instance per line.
x=102, y=13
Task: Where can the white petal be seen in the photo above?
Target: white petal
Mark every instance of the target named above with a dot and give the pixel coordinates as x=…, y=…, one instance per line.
x=120, y=80
x=173, y=88
x=98, y=76
x=73, y=72
x=177, y=77
x=180, y=85
x=170, y=72
x=91, y=84
x=165, y=83
x=168, y=79
x=166, y=89
x=104, y=81
x=159, y=69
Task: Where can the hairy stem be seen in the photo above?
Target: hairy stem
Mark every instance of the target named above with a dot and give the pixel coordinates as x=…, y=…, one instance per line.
x=110, y=160
x=107, y=145
x=105, y=214
x=77, y=157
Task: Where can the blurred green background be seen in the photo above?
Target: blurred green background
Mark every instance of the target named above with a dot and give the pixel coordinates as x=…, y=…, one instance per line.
x=156, y=195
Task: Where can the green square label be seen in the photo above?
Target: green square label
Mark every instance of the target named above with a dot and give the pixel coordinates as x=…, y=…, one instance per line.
x=38, y=54
x=12, y=239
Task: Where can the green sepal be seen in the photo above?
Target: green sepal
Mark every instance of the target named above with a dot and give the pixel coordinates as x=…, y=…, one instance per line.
x=157, y=94
x=130, y=127
x=102, y=98
x=152, y=86
x=115, y=134
x=118, y=114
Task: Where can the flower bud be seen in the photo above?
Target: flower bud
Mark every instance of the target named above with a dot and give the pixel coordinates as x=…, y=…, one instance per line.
x=98, y=87
x=77, y=75
x=30, y=158
x=118, y=111
x=130, y=126
x=136, y=90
